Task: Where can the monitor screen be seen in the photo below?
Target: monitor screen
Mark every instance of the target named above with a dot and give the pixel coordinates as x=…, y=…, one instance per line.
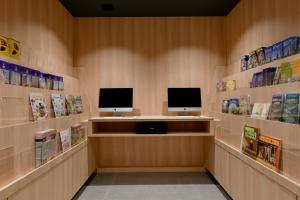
x=185, y=99
x=115, y=98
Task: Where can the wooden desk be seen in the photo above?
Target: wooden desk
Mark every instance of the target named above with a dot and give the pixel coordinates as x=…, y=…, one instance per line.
x=116, y=146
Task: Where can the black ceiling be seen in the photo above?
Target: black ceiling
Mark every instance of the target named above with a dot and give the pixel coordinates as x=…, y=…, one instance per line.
x=143, y=8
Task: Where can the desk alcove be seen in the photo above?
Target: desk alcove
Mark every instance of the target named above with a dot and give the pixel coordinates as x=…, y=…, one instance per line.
x=118, y=148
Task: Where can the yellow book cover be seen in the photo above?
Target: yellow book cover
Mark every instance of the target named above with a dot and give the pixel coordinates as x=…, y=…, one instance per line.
x=4, y=49
x=14, y=49
x=230, y=85
x=296, y=68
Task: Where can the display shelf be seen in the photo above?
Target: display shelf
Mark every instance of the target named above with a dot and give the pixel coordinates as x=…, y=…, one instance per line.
x=170, y=134
x=243, y=78
x=277, y=177
x=17, y=145
x=15, y=104
x=24, y=180
x=126, y=127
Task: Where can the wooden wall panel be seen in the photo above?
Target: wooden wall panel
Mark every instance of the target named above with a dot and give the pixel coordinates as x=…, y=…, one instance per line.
x=150, y=55
x=148, y=152
x=45, y=30
x=256, y=23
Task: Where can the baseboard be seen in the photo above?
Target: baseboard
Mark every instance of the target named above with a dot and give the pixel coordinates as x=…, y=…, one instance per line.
x=151, y=169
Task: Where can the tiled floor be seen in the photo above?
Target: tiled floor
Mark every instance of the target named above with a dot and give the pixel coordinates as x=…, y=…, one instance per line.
x=151, y=186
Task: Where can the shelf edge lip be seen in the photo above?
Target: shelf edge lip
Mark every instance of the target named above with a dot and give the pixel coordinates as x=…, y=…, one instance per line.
x=19, y=183
x=150, y=118
x=280, y=179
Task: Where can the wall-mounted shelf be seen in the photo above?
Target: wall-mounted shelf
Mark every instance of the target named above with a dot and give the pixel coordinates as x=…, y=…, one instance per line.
x=28, y=178
x=279, y=178
x=125, y=126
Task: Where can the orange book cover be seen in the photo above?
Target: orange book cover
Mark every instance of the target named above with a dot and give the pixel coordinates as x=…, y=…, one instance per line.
x=230, y=85
x=269, y=151
x=296, y=68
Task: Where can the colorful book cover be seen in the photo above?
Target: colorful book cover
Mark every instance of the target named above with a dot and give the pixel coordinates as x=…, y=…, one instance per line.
x=276, y=109
x=260, y=110
x=286, y=72
x=277, y=76
x=14, y=49
x=245, y=106
x=269, y=151
x=225, y=107
x=296, y=68
x=250, y=141
x=221, y=86
x=71, y=104
x=59, y=104
x=38, y=106
x=4, y=48
x=230, y=85
x=79, y=105
x=234, y=106
x=65, y=138
x=291, y=108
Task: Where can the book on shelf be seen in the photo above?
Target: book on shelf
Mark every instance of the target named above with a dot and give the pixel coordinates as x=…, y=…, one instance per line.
x=285, y=72
x=291, y=108
x=269, y=151
x=78, y=104
x=38, y=106
x=260, y=110
x=296, y=68
x=234, y=106
x=250, y=141
x=45, y=146
x=276, y=108
x=65, y=139
x=71, y=104
x=277, y=76
x=230, y=85
x=245, y=106
x=268, y=76
x=221, y=86
x=225, y=106
x=77, y=134
x=59, y=104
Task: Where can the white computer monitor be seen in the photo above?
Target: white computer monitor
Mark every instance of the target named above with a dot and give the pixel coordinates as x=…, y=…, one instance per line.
x=115, y=100
x=184, y=100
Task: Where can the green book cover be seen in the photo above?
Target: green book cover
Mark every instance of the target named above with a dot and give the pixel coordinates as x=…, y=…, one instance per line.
x=286, y=72
x=291, y=108
x=250, y=141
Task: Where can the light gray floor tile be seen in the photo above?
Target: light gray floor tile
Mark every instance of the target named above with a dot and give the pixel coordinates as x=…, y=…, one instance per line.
x=151, y=186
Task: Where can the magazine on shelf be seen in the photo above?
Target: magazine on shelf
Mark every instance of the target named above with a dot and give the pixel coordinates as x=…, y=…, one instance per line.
x=245, y=106
x=260, y=110
x=276, y=109
x=250, y=141
x=71, y=104
x=291, y=108
x=234, y=106
x=59, y=104
x=65, y=138
x=38, y=106
x=269, y=151
x=78, y=104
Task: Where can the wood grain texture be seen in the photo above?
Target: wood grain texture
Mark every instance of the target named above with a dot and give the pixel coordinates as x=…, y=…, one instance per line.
x=257, y=23
x=245, y=178
x=60, y=182
x=45, y=30
x=150, y=55
x=140, y=152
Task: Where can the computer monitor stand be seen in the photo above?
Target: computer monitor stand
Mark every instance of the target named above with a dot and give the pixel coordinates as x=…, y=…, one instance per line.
x=184, y=114
x=118, y=114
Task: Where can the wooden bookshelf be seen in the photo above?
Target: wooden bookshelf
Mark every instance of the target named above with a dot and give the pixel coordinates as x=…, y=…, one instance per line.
x=17, y=185
x=117, y=146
